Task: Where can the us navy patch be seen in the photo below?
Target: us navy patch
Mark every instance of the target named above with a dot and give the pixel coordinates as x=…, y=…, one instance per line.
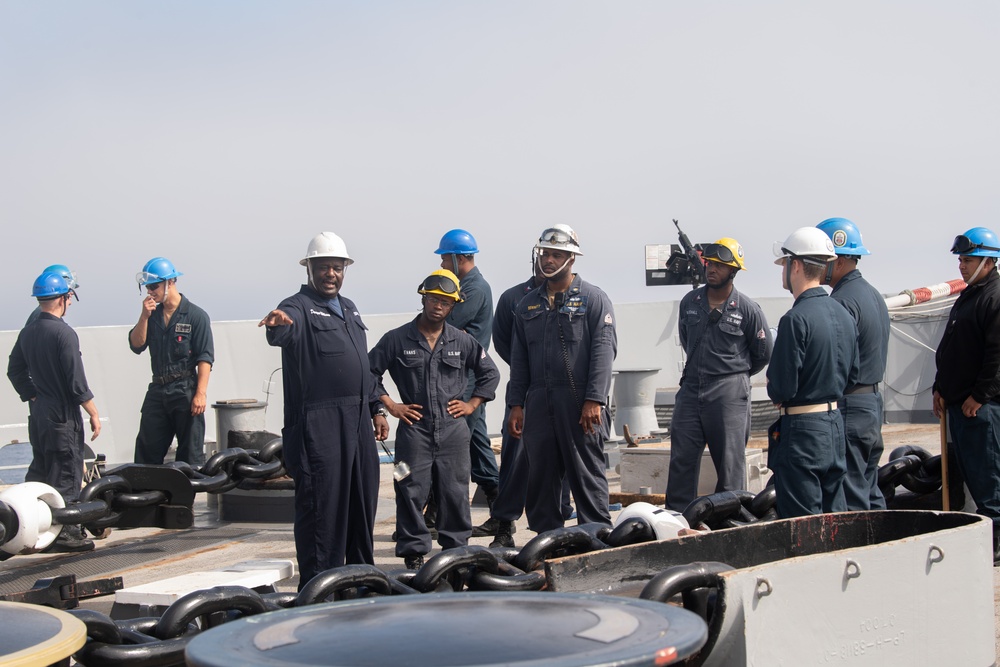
x=575, y=305
x=318, y=312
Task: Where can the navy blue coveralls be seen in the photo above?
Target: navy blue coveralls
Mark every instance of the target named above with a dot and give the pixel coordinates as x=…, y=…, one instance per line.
x=174, y=353
x=328, y=438
x=713, y=405
x=32, y=432
x=435, y=446
x=968, y=364
x=509, y=504
x=861, y=407
x=474, y=316
x=561, y=357
x=815, y=358
x=45, y=365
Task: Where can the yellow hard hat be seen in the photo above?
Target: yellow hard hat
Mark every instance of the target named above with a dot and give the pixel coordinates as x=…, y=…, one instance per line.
x=442, y=282
x=724, y=251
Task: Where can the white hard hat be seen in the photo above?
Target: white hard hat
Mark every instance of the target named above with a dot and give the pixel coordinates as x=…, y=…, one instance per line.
x=559, y=237
x=805, y=242
x=665, y=523
x=327, y=244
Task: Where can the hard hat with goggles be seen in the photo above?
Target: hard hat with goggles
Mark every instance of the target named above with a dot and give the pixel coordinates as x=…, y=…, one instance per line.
x=559, y=237
x=977, y=242
x=726, y=251
x=443, y=283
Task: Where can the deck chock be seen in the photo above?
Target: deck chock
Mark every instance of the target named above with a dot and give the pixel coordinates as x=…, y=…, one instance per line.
x=64, y=592
x=153, y=598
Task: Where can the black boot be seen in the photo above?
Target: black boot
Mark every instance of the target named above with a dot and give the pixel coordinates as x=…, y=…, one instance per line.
x=504, y=538
x=490, y=527
x=487, y=529
x=71, y=540
x=413, y=562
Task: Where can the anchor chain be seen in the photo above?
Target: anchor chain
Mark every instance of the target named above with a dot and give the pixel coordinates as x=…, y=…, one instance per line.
x=134, y=495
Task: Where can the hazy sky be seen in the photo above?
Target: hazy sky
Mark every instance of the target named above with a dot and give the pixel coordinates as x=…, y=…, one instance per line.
x=224, y=135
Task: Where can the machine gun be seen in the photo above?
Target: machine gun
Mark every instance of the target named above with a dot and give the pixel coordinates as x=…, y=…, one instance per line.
x=675, y=264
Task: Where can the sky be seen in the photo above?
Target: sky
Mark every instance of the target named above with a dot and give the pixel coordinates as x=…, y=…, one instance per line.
x=225, y=135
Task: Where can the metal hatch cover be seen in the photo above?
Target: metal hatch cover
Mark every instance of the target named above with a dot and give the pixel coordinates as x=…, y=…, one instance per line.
x=551, y=629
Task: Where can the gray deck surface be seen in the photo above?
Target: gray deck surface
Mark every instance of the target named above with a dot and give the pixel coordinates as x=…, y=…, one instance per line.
x=144, y=555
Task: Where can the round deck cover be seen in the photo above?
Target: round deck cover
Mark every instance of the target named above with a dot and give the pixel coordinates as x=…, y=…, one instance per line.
x=34, y=635
x=552, y=629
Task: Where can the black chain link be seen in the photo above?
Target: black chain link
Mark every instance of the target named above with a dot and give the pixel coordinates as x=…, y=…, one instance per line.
x=150, y=642
x=124, y=496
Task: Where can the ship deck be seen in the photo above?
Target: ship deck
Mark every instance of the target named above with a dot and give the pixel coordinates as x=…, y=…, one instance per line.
x=144, y=555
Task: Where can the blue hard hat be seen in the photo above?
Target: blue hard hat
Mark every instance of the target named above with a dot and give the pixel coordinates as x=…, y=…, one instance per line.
x=978, y=242
x=845, y=236
x=457, y=242
x=65, y=272
x=49, y=285
x=157, y=270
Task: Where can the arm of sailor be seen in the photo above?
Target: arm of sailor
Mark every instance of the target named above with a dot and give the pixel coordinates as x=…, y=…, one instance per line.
x=279, y=322
x=603, y=348
x=95, y=420
x=137, y=335
x=515, y=422
x=759, y=341
x=200, y=400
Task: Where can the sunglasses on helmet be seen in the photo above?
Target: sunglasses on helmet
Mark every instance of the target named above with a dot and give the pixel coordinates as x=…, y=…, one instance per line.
x=717, y=251
x=964, y=245
x=438, y=284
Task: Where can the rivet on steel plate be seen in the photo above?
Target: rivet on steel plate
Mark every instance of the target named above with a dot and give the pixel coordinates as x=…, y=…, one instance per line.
x=935, y=554
x=852, y=570
x=763, y=587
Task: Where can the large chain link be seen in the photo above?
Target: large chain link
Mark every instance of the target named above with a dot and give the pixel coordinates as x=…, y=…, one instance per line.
x=136, y=495
x=151, y=641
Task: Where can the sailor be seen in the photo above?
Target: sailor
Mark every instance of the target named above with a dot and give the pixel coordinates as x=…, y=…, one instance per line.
x=861, y=407
x=473, y=315
x=181, y=353
x=68, y=275
x=429, y=360
x=726, y=340
x=509, y=503
x=332, y=414
x=563, y=347
x=70, y=278
x=815, y=358
x=967, y=384
x=46, y=370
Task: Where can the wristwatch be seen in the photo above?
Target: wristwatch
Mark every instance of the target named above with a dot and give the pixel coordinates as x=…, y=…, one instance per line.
x=381, y=412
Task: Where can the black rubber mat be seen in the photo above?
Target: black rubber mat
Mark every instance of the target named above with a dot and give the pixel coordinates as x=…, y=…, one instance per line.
x=16, y=576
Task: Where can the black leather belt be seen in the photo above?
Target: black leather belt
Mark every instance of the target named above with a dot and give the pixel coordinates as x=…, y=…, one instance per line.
x=171, y=377
x=862, y=389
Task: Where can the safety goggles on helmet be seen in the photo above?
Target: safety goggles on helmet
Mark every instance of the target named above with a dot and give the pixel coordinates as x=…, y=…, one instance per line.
x=147, y=279
x=963, y=245
x=718, y=252
x=556, y=237
x=436, y=283
x=807, y=259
